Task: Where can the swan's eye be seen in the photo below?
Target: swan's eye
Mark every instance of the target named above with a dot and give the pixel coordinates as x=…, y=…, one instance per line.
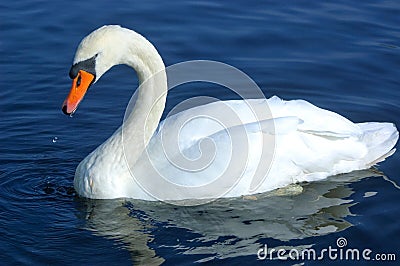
x=78, y=81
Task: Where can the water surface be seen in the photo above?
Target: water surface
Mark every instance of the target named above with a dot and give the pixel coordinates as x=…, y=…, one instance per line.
x=339, y=55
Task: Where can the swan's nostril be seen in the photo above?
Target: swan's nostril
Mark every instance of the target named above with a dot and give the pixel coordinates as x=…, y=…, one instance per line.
x=64, y=109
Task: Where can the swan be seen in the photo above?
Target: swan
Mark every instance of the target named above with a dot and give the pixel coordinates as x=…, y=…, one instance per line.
x=307, y=143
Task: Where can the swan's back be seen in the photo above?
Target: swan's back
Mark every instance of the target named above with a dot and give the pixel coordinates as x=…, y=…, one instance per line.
x=310, y=144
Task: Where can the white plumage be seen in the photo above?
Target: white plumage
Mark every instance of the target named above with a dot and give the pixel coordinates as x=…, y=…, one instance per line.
x=308, y=143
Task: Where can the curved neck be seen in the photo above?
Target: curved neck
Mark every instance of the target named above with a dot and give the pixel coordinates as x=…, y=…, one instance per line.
x=146, y=107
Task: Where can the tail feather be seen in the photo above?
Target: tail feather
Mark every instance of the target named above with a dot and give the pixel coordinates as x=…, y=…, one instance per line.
x=380, y=139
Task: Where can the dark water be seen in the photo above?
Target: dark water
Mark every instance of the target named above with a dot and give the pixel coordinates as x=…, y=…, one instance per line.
x=340, y=55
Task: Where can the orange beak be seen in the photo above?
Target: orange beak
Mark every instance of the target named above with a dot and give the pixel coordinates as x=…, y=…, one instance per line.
x=80, y=85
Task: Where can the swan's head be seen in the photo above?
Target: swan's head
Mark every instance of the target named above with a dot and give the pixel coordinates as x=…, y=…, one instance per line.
x=97, y=53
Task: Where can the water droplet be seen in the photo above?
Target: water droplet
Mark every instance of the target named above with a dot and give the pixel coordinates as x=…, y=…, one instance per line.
x=55, y=139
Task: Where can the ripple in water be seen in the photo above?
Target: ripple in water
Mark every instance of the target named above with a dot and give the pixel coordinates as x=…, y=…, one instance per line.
x=22, y=186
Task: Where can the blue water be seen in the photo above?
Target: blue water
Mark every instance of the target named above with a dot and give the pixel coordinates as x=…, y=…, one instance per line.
x=339, y=55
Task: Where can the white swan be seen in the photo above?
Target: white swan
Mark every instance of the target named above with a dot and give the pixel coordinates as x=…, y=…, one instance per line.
x=309, y=143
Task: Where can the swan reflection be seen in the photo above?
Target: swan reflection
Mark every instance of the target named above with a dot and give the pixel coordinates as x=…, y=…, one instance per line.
x=226, y=227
